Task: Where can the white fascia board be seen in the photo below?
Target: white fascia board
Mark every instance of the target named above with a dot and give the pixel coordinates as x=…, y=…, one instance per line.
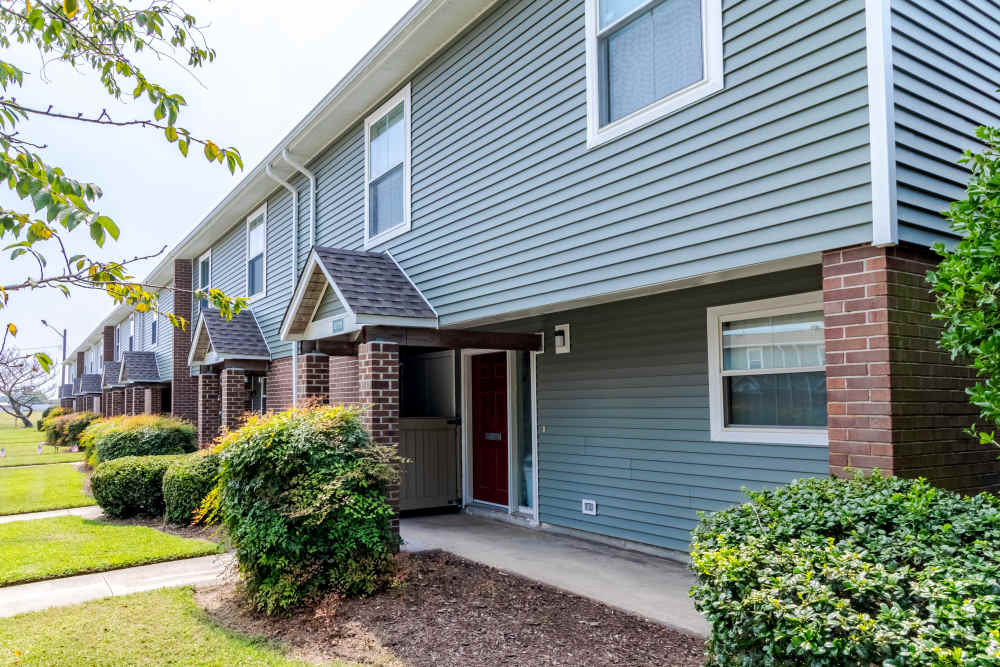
x=198, y=330
x=881, y=122
x=312, y=263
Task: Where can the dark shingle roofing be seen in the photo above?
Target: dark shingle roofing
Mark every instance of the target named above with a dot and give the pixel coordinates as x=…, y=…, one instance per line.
x=373, y=284
x=76, y=386
x=90, y=384
x=139, y=367
x=112, y=369
x=66, y=391
x=238, y=337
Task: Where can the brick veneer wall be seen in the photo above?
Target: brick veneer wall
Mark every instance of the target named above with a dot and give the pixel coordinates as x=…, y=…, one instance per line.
x=106, y=403
x=344, y=381
x=117, y=402
x=209, y=404
x=378, y=392
x=66, y=403
x=279, y=384
x=313, y=378
x=184, y=386
x=80, y=364
x=108, y=340
x=896, y=401
x=233, y=397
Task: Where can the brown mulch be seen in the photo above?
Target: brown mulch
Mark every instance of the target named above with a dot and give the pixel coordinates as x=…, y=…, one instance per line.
x=452, y=612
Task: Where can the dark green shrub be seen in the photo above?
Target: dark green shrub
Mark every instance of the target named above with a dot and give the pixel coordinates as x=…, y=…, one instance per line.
x=302, y=495
x=878, y=571
x=139, y=435
x=186, y=483
x=65, y=430
x=131, y=486
x=51, y=411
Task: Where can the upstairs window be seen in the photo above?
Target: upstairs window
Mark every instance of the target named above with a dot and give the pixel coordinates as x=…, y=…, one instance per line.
x=117, y=349
x=205, y=275
x=648, y=58
x=256, y=252
x=131, y=333
x=387, y=170
x=152, y=329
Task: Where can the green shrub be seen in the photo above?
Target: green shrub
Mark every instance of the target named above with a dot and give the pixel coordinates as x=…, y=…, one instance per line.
x=186, y=483
x=131, y=486
x=871, y=571
x=65, y=430
x=302, y=495
x=138, y=435
x=51, y=411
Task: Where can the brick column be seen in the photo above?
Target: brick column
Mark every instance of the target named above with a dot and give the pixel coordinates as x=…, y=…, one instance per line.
x=233, y=396
x=80, y=364
x=108, y=339
x=313, y=378
x=896, y=401
x=344, y=381
x=184, y=386
x=279, y=384
x=209, y=404
x=378, y=393
x=117, y=402
x=66, y=403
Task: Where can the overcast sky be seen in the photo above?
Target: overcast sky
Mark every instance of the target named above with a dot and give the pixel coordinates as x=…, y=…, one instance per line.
x=275, y=62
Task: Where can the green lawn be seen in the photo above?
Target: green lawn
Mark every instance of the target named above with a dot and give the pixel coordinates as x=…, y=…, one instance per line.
x=163, y=627
x=65, y=545
x=39, y=488
x=20, y=446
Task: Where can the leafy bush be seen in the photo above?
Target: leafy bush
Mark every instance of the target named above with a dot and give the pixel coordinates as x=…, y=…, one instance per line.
x=867, y=571
x=65, y=430
x=302, y=495
x=131, y=485
x=51, y=411
x=138, y=435
x=186, y=483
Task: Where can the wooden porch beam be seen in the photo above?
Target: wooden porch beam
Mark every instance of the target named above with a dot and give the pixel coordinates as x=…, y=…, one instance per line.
x=335, y=348
x=452, y=338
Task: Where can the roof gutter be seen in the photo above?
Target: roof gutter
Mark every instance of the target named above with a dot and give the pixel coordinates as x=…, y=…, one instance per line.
x=295, y=268
x=287, y=157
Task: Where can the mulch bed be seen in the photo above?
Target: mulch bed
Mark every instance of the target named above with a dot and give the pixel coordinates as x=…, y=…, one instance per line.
x=452, y=612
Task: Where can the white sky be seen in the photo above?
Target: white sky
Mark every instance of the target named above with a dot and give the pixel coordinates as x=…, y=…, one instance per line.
x=275, y=62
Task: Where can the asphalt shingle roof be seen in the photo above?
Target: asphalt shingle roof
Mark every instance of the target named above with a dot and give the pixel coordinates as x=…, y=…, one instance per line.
x=90, y=384
x=76, y=386
x=139, y=367
x=238, y=337
x=66, y=391
x=112, y=370
x=373, y=284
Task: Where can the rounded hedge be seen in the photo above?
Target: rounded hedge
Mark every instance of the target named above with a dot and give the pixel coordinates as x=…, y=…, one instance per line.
x=139, y=435
x=186, y=483
x=64, y=430
x=51, y=411
x=845, y=572
x=131, y=486
x=303, y=497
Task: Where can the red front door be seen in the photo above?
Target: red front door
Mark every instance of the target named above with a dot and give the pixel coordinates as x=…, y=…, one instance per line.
x=489, y=428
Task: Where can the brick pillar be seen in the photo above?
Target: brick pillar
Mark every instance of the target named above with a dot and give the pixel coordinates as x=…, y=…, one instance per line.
x=184, y=386
x=106, y=403
x=279, y=384
x=117, y=402
x=66, y=403
x=233, y=395
x=896, y=401
x=80, y=364
x=378, y=393
x=344, y=381
x=108, y=338
x=209, y=405
x=313, y=378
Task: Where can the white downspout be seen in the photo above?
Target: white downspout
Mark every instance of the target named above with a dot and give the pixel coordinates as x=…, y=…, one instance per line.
x=287, y=157
x=295, y=270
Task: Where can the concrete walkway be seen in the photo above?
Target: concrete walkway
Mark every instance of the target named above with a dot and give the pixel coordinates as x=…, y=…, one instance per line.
x=202, y=571
x=88, y=512
x=648, y=586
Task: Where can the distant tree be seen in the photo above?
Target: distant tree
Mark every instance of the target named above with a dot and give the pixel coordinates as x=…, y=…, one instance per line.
x=967, y=281
x=22, y=381
x=106, y=39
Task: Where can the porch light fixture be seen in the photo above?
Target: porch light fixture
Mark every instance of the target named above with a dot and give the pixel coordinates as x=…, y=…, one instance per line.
x=562, y=338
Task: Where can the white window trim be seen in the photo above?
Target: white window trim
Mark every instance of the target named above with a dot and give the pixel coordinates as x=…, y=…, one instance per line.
x=402, y=96
x=712, y=83
x=205, y=255
x=261, y=210
x=784, y=305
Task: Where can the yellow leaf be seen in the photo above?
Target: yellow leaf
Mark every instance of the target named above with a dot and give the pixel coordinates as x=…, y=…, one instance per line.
x=141, y=307
x=70, y=8
x=12, y=328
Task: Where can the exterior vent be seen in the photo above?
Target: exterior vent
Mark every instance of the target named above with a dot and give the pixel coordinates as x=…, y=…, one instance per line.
x=589, y=506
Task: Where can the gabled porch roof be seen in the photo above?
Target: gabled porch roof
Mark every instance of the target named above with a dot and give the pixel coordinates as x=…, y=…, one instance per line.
x=218, y=339
x=90, y=383
x=340, y=291
x=138, y=367
x=112, y=371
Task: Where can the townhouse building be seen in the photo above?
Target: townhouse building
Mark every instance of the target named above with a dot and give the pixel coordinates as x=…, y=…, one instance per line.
x=599, y=264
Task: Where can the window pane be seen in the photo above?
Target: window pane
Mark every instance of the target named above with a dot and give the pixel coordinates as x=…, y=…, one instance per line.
x=255, y=236
x=203, y=273
x=630, y=72
x=785, y=341
x=255, y=275
x=612, y=10
x=386, y=201
x=387, y=143
x=677, y=55
x=779, y=399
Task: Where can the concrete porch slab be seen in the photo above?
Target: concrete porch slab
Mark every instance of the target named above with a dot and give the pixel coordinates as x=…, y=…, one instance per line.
x=652, y=587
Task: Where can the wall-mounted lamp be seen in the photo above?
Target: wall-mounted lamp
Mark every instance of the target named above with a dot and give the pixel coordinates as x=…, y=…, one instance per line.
x=562, y=338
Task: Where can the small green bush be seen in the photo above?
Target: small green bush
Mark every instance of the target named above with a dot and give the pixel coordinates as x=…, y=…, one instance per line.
x=131, y=486
x=186, y=483
x=302, y=495
x=138, y=435
x=877, y=571
x=51, y=411
x=65, y=430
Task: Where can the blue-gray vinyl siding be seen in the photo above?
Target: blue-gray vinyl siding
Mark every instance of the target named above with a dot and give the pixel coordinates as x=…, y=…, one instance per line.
x=946, y=72
x=623, y=418
x=329, y=305
x=165, y=335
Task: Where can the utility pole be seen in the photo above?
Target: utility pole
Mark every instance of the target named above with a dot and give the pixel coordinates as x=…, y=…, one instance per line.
x=62, y=379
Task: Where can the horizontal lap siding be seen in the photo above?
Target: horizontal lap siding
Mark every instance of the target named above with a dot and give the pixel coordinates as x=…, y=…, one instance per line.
x=623, y=417
x=946, y=61
x=165, y=334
